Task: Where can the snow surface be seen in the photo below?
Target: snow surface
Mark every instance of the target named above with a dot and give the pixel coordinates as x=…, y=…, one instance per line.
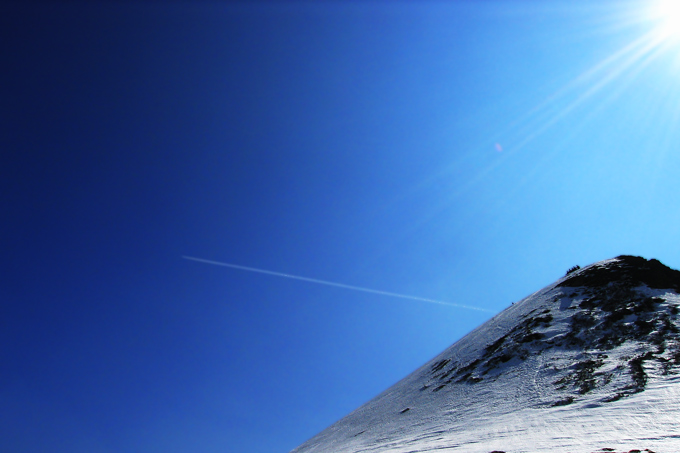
x=560, y=371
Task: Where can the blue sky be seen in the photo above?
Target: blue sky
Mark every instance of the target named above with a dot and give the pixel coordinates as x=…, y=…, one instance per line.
x=468, y=152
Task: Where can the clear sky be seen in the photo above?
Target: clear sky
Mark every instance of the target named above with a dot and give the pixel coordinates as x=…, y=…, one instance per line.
x=466, y=152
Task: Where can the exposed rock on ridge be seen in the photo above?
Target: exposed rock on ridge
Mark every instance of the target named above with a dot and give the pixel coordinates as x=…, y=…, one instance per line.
x=626, y=270
x=604, y=311
x=602, y=344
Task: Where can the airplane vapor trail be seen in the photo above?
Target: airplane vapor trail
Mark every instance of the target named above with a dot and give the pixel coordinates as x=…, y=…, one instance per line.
x=338, y=285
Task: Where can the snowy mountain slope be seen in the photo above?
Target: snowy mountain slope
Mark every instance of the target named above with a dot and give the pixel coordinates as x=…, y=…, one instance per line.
x=588, y=363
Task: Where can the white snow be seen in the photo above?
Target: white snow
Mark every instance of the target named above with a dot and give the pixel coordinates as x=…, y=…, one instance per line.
x=521, y=405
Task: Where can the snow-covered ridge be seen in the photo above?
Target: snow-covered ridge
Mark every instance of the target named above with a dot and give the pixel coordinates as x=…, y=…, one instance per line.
x=559, y=369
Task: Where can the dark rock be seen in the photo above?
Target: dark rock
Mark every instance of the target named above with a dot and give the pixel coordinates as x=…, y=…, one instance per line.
x=439, y=365
x=633, y=270
x=564, y=402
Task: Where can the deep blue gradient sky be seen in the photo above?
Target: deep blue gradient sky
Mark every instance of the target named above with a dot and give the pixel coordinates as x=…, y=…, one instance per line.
x=468, y=152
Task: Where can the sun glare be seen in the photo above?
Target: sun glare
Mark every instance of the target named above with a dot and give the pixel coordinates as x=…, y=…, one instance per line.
x=667, y=15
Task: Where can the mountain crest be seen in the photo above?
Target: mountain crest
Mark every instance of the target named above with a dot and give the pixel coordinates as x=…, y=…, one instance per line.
x=590, y=344
x=625, y=270
x=589, y=314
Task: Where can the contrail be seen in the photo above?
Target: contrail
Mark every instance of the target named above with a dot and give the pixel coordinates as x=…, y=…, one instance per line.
x=338, y=285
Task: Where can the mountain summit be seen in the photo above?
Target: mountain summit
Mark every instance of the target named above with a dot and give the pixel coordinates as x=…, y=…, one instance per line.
x=589, y=363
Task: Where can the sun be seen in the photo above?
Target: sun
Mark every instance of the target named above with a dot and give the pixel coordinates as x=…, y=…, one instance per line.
x=666, y=14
